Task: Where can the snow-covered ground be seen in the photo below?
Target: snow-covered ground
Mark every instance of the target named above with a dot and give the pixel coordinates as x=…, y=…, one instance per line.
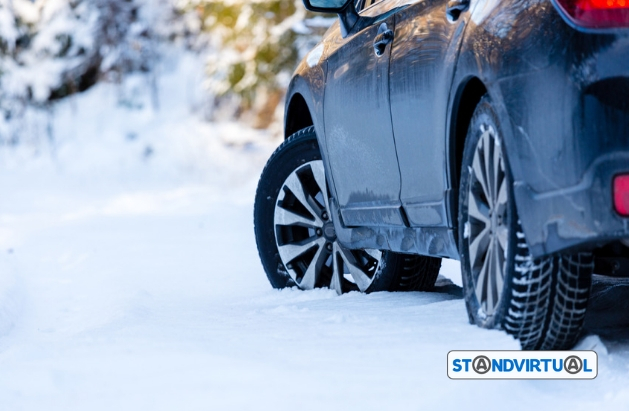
x=129, y=280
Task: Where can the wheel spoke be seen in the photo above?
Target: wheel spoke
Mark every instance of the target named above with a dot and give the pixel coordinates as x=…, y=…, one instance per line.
x=290, y=251
x=375, y=254
x=490, y=280
x=501, y=199
x=478, y=246
x=499, y=272
x=319, y=174
x=502, y=235
x=311, y=275
x=497, y=169
x=288, y=217
x=477, y=168
x=337, y=274
x=481, y=286
x=295, y=187
x=488, y=170
x=360, y=278
x=478, y=210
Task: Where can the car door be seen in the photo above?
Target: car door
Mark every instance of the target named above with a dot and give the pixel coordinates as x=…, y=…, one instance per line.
x=359, y=138
x=424, y=51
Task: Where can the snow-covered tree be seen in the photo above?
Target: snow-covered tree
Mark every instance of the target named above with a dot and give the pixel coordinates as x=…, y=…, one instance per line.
x=50, y=49
x=254, y=47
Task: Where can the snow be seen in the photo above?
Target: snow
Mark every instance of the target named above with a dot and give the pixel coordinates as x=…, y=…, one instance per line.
x=129, y=280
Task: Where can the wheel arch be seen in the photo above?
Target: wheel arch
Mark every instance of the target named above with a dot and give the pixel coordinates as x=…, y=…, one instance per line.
x=304, y=107
x=469, y=93
x=297, y=115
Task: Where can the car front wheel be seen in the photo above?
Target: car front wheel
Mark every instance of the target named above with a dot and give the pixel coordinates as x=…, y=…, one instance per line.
x=296, y=237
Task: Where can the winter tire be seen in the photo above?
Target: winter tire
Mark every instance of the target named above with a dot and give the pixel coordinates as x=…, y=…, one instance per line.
x=296, y=238
x=542, y=301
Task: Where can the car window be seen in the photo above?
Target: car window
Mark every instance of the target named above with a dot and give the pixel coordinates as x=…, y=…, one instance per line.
x=365, y=4
x=377, y=7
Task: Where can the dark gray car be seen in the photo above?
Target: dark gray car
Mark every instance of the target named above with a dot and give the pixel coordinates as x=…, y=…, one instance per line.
x=492, y=132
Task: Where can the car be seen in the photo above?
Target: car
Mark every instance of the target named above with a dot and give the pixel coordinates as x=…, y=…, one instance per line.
x=491, y=132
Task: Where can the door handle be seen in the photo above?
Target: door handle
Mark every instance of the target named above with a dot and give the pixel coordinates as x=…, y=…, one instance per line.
x=455, y=8
x=384, y=37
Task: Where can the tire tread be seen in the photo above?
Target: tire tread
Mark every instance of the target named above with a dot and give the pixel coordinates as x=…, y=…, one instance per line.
x=418, y=273
x=549, y=298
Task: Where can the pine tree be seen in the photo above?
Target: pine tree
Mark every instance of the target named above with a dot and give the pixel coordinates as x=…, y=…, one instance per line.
x=50, y=49
x=255, y=45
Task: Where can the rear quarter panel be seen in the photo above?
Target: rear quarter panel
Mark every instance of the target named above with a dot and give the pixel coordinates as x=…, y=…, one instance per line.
x=538, y=71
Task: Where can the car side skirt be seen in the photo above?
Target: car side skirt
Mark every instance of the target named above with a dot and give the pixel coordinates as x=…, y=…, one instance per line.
x=431, y=241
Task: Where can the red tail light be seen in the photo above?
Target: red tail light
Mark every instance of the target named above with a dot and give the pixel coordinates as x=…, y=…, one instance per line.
x=596, y=14
x=621, y=194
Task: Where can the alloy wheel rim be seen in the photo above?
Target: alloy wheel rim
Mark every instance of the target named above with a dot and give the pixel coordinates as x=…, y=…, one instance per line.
x=306, y=239
x=487, y=228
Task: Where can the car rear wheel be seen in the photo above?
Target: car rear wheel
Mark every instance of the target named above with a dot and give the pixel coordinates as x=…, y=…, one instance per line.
x=542, y=301
x=296, y=237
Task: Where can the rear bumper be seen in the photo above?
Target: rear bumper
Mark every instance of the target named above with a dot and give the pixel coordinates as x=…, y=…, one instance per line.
x=577, y=217
x=573, y=145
